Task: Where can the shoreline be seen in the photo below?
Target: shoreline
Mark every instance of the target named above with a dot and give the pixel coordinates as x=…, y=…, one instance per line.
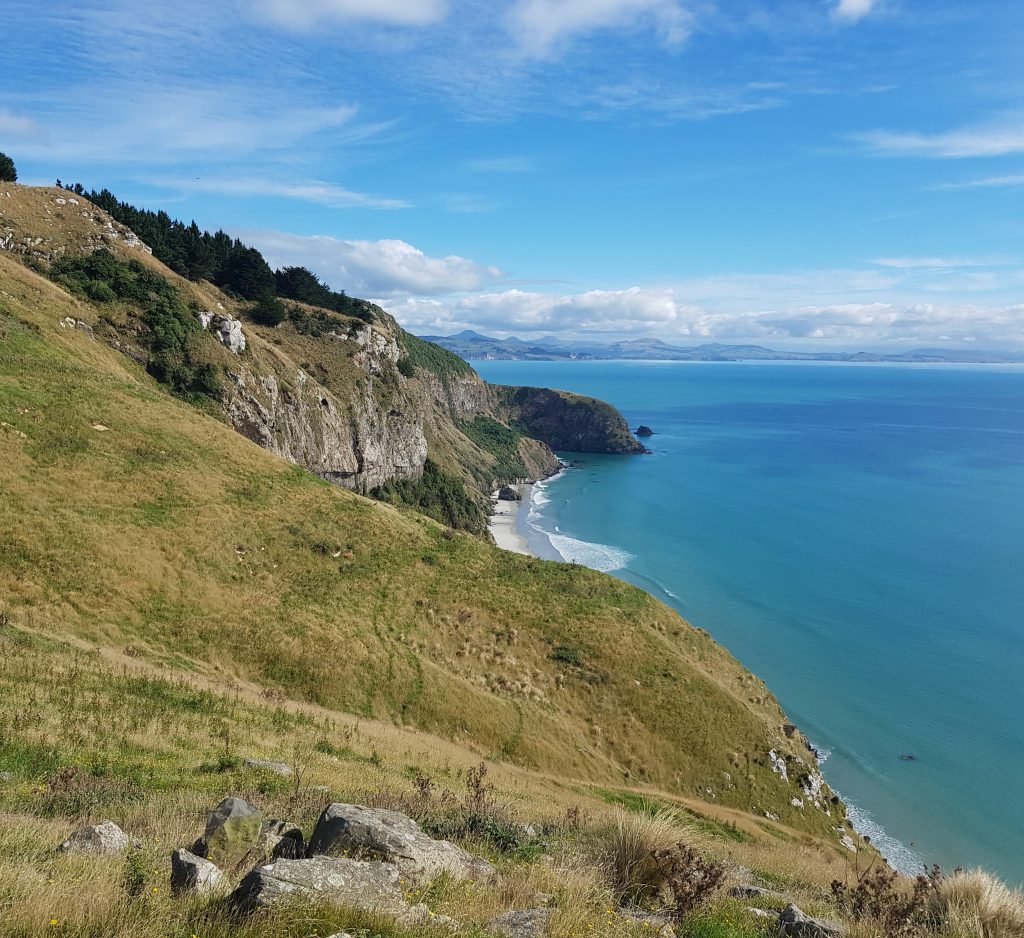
x=509, y=527
x=507, y=520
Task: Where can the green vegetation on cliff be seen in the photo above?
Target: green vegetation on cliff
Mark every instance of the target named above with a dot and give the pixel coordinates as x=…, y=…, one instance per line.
x=566, y=421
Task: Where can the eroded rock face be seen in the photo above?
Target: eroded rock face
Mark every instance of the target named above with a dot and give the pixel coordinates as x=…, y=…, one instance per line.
x=190, y=873
x=371, y=886
x=103, y=838
x=358, y=443
x=795, y=924
x=393, y=837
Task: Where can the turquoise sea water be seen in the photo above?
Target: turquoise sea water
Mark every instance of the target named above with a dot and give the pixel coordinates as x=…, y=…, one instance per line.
x=855, y=536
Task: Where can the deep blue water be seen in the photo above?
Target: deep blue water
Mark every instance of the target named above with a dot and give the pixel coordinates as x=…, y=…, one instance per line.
x=855, y=536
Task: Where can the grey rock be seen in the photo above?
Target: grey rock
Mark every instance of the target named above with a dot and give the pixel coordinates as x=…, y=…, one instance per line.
x=760, y=913
x=747, y=891
x=103, y=838
x=230, y=334
x=508, y=494
x=190, y=873
x=654, y=925
x=526, y=923
x=371, y=886
x=387, y=835
x=232, y=830
x=795, y=924
x=268, y=765
x=281, y=840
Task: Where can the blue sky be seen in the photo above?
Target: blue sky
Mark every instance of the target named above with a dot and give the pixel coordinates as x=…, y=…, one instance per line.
x=798, y=173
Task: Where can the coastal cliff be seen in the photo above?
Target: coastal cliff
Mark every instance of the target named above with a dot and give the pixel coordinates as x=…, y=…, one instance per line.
x=350, y=396
x=566, y=421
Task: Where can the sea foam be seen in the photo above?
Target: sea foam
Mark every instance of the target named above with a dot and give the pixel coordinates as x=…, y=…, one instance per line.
x=601, y=557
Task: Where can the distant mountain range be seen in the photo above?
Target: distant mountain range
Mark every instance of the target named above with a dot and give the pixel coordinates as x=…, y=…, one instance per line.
x=476, y=347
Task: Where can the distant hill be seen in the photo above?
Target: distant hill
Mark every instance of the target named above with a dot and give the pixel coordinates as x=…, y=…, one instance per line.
x=476, y=347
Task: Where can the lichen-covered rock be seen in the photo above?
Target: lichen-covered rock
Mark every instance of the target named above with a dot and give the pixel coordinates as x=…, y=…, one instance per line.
x=795, y=924
x=525, y=923
x=371, y=886
x=747, y=891
x=232, y=830
x=103, y=838
x=190, y=873
x=229, y=333
x=392, y=837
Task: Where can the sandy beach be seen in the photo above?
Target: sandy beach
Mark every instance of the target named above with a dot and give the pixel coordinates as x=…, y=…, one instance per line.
x=504, y=522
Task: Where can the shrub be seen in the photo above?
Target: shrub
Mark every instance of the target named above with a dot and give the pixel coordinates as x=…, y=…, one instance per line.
x=690, y=880
x=879, y=898
x=979, y=905
x=268, y=310
x=8, y=173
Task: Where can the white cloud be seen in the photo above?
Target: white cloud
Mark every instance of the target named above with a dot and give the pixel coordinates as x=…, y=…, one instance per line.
x=995, y=138
x=853, y=10
x=539, y=26
x=373, y=268
x=991, y=182
x=18, y=127
x=313, y=190
x=662, y=313
x=306, y=14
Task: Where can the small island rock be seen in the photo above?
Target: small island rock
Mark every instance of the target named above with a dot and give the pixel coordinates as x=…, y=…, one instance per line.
x=644, y=430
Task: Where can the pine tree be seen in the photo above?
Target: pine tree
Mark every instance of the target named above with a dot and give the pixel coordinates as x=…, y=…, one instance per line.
x=7, y=171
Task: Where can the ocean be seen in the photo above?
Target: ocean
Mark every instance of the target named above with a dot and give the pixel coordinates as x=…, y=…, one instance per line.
x=854, y=534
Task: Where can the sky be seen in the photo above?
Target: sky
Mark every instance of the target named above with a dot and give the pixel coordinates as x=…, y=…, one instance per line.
x=796, y=173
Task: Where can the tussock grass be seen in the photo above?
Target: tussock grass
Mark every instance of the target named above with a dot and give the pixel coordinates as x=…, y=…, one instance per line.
x=629, y=855
x=977, y=905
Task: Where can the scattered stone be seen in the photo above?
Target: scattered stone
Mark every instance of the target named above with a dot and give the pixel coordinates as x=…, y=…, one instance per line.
x=908, y=757
x=508, y=494
x=82, y=326
x=371, y=886
x=232, y=830
x=796, y=802
x=5, y=776
x=190, y=873
x=654, y=925
x=100, y=428
x=748, y=891
x=644, y=430
x=268, y=765
x=794, y=924
x=103, y=838
x=375, y=833
x=760, y=913
x=528, y=923
x=281, y=840
x=778, y=764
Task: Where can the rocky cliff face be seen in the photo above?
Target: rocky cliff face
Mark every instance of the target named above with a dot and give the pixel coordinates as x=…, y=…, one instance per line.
x=565, y=421
x=361, y=405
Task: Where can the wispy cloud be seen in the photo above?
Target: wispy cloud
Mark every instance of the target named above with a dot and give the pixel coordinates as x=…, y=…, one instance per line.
x=540, y=27
x=329, y=194
x=936, y=263
x=853, y=10
x=991, y=182
x=20, y=128
x=302, y=15
x=373, y=268
x=995, y=138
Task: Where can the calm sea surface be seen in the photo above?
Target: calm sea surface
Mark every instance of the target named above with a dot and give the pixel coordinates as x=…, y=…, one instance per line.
x=855, y=536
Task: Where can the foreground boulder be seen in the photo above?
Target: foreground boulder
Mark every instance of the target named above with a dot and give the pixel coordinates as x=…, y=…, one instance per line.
x=103, y=838
x=370, y=886
x=794, y=924
x=190, y=873
x=232, y=830
x=375, y=833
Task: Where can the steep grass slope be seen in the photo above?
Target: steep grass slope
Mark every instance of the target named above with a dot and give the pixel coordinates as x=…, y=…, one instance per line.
x=131, y=518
